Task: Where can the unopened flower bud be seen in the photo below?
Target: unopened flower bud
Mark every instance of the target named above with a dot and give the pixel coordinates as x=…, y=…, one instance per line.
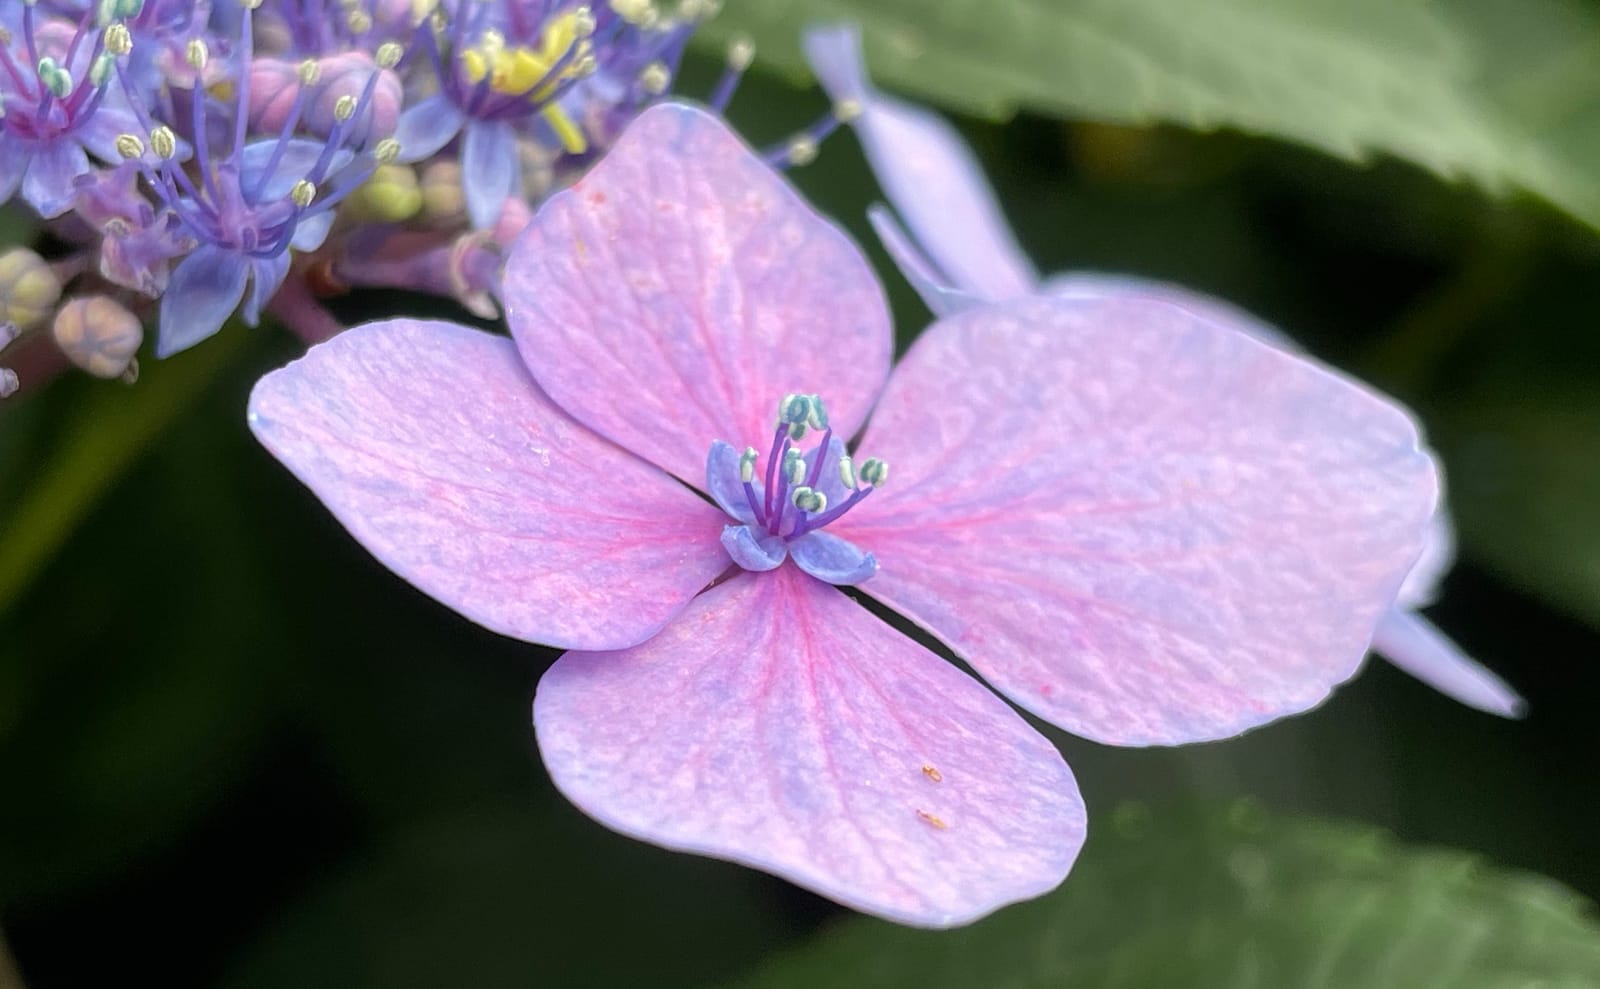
x=29, y=289
x=389, y=195
x=98, y=334
x=442, y=198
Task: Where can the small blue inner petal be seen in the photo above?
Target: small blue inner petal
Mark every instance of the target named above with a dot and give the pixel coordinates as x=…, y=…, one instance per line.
x=722, y=481
x=752, y=548
x=828, y=557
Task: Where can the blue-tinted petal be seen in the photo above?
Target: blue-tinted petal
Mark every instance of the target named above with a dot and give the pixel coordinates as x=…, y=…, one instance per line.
x=827, y=557
x=941, y=297
x=296, y=161
x=427, y=127
x=1412, y=643
x=14, y=158
x=266, y=274
x=311, y=231
x=490, y=169
x=49, y=184
x=724, y=486
x=753, y=549
x=203, y=292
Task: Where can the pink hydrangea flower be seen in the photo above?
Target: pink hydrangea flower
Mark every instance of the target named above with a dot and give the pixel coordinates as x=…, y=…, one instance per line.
x=961, y=253
x=1138, y=525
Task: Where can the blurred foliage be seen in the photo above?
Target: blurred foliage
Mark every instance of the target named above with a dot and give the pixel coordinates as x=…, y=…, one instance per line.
x=1180, y=896
x=1505, y=94
x=234, y=750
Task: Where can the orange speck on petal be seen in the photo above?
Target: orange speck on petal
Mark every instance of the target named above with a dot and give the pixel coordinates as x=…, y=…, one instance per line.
x=932, y=773
x=933, y=819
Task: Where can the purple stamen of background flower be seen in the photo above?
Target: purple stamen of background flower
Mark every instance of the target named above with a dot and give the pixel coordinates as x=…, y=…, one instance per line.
x=962, y=254
x=56, y=109
x=255, y=198
x=1127, y=580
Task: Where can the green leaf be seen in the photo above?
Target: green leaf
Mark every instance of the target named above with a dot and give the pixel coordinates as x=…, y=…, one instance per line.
x=1236, y=898
x=86, y=433
x=1504, y=94
x=512, y=895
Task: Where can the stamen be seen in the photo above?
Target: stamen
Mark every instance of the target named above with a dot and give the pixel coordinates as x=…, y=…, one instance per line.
x=741, y=53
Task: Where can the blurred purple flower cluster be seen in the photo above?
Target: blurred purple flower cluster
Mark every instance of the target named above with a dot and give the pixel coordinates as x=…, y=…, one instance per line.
x=191, y=160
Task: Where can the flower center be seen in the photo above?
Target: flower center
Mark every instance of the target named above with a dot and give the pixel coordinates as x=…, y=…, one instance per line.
x=784, y=505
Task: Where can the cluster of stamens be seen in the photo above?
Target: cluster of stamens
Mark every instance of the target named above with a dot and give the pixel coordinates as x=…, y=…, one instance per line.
x=793, y=483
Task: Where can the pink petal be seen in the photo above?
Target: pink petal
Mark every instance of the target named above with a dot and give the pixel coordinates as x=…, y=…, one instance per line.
x=929, y=174
x=1412, y=643
x=433, y=446
x=1139, y=525
x=682, y=288
x=778, y=724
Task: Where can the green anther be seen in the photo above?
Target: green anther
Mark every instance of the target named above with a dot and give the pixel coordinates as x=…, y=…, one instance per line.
x=54, y=78
x=747, y=465
x=302, y=193
x=797, y=431
x=104, y=64
x=874, y=472
x=794, y=409
x=344, y=107
x=388, y=55
x=809, y=500
x=794, y=467
x=818, y=419
x=847, y=473
x=163, y=142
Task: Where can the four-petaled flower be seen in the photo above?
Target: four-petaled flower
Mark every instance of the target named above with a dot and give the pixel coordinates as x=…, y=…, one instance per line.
x=1139, y=525
x=962, y=254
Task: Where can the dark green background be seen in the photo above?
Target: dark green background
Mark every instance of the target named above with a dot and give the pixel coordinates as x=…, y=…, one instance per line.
x=235, y=751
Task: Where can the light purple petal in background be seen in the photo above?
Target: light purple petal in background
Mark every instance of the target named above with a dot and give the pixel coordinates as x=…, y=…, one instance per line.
x=50, y=183
x=778, y=724
x=929, y=174
x=431, y=444
x=1093, y=284
x=1412, y=643
x=490, y=169
x=1421, y=587
x=677, y=292
x=941, y=298
x=204, y=290
x=427, y=127
x=1141, y=526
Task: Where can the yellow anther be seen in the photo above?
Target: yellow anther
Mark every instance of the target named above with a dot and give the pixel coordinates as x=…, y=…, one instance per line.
x=196, y=53
x=567, y=132
x=163, y=142
x=344, y=107
x=129, y=145
x=309, y=72
x=741, y=52
x=358, y=21
x=655, y=78
x=847, y=110
x=802, y=150
x=639, y=12
x=583, y=21
x=119, y=41
x=389, y=54
x=302, y=193
x=387, y=150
